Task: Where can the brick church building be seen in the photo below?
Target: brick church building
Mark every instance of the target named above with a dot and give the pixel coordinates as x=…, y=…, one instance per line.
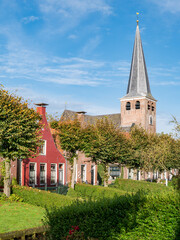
x=138, y=107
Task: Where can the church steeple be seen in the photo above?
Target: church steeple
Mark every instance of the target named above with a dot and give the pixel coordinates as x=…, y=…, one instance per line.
x=138, y=106
x=138, y=84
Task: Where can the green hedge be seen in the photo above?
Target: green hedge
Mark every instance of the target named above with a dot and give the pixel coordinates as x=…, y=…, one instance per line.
x=138, y=216
x=86, y=191
x=41, y=198
x=129, y=185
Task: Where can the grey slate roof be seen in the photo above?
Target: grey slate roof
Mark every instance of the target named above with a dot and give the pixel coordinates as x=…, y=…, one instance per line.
x=138, y=85
x=115, y=118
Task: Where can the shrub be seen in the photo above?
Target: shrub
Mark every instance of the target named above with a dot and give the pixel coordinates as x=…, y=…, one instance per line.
x=15, y=198
x=86, y=191
x=41, y=198
x=134, y=186
x=2, y=182
x=14, y=182
x=176, y=182
x=121, y=217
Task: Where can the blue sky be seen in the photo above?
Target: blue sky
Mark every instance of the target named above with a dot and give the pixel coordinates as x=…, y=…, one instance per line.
x=78, y=53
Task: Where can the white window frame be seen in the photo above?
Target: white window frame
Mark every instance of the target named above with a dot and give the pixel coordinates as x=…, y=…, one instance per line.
x=44, y=147
x=131, y=173
x=63, y=171
x=45, y=173
x=35, y=167
x=85, y=172
x=94, y=169
x=55, y=174
x=165, y=174
x=76, y=177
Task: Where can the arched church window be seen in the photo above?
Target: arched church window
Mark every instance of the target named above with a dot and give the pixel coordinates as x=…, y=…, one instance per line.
x=149, y=107
x=150, y=120
x=152, y=108
x=128, y=106
x=137, y=105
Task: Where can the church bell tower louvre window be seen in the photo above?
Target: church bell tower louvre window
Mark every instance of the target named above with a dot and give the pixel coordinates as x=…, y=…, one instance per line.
x=137, y=105
x=128, y=106
x=150, y=120
x=152, y=108
x=149, y=107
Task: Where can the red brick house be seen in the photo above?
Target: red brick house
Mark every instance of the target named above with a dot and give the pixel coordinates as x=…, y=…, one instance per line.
x=49, y=167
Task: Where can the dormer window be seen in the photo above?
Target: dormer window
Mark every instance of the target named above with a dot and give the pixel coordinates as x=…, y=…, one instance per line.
x=137, y=105
x=128, y=106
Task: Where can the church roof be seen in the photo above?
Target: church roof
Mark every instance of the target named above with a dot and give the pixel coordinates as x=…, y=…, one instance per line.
x=115, y=118
x=138, y=85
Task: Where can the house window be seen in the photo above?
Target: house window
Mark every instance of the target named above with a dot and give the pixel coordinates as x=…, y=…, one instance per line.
x=83, y=173
x=114, y=171
x=32, y=173
x=150, y=120
x=128, y=106
x=42, y=173
x=137, y=105
x=130, y=173
x=42, y=148
x=61, y=174
x=53, y=173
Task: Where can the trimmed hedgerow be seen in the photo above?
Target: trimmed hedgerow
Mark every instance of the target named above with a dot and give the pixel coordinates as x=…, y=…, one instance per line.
x=129, y=185
x=138, y=216
x=41, y=198
x=86, y=191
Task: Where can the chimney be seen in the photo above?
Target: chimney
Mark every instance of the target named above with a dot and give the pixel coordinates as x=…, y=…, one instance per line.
x=41, y=108
x=80, y=116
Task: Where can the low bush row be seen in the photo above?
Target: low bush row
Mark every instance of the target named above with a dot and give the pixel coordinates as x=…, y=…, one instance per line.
x=129, y=185
x=87, y=191
x=40, y=197
x=138, y=216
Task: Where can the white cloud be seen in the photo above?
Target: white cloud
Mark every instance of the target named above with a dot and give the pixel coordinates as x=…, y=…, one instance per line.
x=69, y=7
x=91, y=45
x=172, y=6
x=72, y=36
x=63, y=15
x=29, y=19
x=167, y=73
x=20, y=63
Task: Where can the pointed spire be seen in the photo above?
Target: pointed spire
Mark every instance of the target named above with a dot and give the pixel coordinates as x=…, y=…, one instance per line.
x=138, y=80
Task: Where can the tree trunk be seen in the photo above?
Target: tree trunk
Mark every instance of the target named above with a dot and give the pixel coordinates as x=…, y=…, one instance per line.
x=106, y=175
x=7, y=179
x=74, y=171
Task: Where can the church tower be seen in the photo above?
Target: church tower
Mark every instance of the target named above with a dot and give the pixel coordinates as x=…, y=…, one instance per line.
x=138, y=106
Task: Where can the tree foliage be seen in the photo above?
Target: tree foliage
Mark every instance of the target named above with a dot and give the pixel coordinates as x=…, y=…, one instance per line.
x=19, y=127
x=154, y=151
x=19, y=130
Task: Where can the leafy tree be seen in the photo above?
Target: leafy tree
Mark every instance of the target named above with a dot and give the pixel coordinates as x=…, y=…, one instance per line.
x=176, y=127
x=19, y=131
x=106, y=145
x=154, y=151
x=70, y=136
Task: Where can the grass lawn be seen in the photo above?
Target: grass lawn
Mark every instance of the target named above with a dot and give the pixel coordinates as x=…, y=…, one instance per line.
x=18, y=216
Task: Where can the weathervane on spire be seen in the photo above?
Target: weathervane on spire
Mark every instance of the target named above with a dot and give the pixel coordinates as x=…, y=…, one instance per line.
x=137, y=18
